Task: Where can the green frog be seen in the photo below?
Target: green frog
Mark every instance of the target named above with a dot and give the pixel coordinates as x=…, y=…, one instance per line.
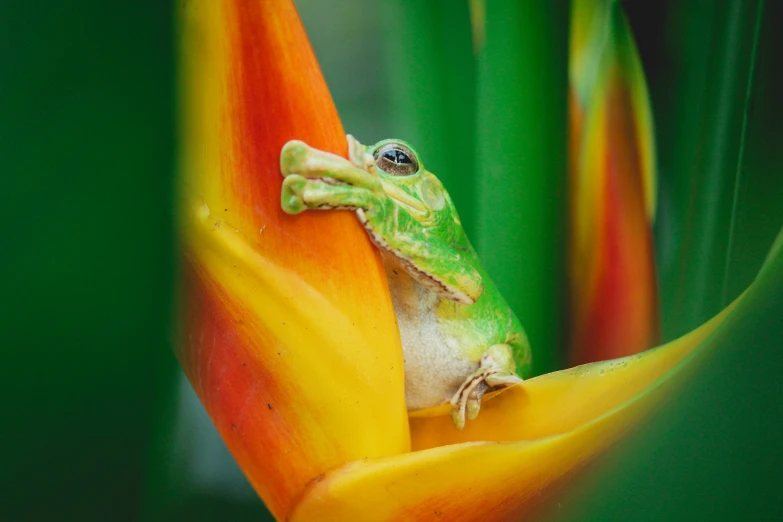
x=459, y=336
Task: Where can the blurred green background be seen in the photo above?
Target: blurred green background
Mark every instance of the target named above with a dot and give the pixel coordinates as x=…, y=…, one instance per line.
x=98, y=423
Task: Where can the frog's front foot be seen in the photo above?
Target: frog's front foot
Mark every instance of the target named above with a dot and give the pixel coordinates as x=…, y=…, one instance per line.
x=319, y=180
x=496, y=370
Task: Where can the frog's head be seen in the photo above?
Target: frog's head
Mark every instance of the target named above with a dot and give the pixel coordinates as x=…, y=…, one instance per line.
x=411, y=186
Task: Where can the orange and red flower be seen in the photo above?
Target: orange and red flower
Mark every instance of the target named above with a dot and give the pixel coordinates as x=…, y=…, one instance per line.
x=287, y=330
x=614, y=305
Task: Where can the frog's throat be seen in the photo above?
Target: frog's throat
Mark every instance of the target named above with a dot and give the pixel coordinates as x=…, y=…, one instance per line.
x=402, y=197
x=429, y=281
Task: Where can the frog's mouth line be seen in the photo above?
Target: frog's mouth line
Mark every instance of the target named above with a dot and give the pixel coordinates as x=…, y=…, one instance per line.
x=403, y=198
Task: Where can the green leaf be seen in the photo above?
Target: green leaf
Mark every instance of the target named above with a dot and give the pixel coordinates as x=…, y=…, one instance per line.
x=712, y=452
x=758, y=212
x=703, y=157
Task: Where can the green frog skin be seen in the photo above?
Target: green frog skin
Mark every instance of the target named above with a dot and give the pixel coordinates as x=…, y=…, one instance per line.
x=459, y=336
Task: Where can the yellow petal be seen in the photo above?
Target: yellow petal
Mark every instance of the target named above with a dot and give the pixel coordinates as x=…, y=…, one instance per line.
x=288, y=333
x=524, y=441
x=561, y=401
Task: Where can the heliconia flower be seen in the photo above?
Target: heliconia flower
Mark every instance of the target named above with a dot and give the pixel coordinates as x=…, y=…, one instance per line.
x=614, y=308
x=287, y=331
x=289, y=335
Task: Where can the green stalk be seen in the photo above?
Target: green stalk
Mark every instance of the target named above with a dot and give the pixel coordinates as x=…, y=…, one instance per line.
x=86, y=141
x=430, y=68
x=521, y=164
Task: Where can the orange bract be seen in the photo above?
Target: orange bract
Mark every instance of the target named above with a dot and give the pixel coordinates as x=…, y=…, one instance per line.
x=612, y=265
x=288, y=334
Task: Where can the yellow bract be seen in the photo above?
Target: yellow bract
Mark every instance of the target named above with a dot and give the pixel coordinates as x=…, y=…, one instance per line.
x=525, y=439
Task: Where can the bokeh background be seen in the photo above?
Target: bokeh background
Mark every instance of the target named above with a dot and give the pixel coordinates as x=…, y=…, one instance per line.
x=97, y=421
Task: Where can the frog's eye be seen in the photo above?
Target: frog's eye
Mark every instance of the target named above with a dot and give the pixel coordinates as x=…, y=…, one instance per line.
x=396, y=159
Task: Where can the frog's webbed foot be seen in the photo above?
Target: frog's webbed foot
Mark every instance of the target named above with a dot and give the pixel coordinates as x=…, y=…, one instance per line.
x=496, y=370
x=315, y=179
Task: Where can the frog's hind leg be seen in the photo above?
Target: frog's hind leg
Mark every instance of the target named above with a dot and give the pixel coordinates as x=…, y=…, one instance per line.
x=497, y=370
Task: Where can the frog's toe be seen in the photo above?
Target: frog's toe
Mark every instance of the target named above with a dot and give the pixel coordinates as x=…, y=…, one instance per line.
x=355, y=152
x=497, y=380
x=472, y=409
x=496, y=370
x=458, y=418
x=466, y=403
x=293, y=157
x=292, y=195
